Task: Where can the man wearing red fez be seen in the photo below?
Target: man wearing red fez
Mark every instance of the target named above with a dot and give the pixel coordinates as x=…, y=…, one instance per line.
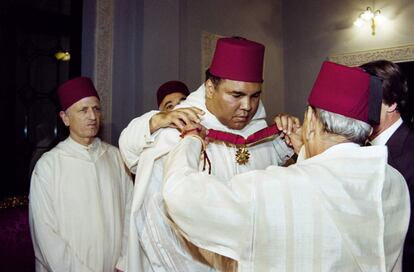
x=170, y=94
x=228, y=104
x=80, y=192
x=341, y=207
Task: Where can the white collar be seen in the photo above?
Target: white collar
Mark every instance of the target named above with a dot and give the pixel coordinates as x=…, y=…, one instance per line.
x=92, y=146
x=384, y=136
x=346, y=150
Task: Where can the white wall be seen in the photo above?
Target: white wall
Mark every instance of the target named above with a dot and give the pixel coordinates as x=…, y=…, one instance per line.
x=161, y=39
x=313, y=30
x=146, y=52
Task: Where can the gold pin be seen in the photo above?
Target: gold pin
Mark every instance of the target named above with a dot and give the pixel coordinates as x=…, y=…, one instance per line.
x=242, y=155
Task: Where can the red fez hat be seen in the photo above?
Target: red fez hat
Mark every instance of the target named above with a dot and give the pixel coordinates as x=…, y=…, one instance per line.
x=170, y=87
x=238, y=59
x=74, y=90
x=348, y=91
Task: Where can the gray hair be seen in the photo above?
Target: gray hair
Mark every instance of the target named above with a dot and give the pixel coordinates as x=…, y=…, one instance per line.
x=354, y=130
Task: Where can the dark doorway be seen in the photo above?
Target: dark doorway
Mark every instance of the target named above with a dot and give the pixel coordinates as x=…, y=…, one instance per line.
x=31, y=34
x=408, y=113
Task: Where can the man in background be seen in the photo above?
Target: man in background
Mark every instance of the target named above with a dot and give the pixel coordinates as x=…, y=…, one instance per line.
x=170, y=94
x=80, y=192
x=393, y=132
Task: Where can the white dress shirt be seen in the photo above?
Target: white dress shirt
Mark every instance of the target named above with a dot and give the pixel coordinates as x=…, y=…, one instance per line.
x=382, y=138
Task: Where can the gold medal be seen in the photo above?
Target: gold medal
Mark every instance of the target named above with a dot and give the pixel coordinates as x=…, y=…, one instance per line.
x=242, y=155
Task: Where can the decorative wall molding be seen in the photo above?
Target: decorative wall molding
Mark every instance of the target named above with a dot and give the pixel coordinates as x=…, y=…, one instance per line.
x=103, y=62
x=395, y=54
x=208, y=45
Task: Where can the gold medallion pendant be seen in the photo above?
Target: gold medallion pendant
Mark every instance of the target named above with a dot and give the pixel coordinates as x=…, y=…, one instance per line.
x=242, y=155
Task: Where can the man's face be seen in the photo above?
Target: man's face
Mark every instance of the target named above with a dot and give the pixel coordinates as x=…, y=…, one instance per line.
x=171, y=100
x=83, y=119
x=234, y=103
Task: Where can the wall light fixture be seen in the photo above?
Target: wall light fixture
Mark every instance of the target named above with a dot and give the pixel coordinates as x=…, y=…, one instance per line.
x=370, y=17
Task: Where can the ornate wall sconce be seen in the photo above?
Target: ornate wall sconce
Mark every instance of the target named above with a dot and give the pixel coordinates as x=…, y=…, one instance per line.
x=370, y=17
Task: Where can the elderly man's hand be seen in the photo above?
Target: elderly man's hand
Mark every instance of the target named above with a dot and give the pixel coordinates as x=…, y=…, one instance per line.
x=177, y=118
x=291, y=130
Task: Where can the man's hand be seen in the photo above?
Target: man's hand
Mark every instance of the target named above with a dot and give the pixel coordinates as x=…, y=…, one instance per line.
x=198, y=131
x=195, y=129
x=177, y=118
x=291, y=130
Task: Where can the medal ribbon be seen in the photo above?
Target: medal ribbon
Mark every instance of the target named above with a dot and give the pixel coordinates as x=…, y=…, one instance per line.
x=239, y=140
x=242, y=155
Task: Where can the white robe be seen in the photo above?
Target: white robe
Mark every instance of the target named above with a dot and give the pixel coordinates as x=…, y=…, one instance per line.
x=345, y=209
x=153, y=245
x=79, y=203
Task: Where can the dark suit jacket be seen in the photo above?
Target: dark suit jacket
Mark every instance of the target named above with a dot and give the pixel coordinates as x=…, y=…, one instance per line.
x=401, y=157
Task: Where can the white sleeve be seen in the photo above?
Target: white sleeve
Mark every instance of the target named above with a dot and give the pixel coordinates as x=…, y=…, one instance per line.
x=396, y=210
x=51, y=250
x=209, y=213
x=135, y=138
x=128, y=191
